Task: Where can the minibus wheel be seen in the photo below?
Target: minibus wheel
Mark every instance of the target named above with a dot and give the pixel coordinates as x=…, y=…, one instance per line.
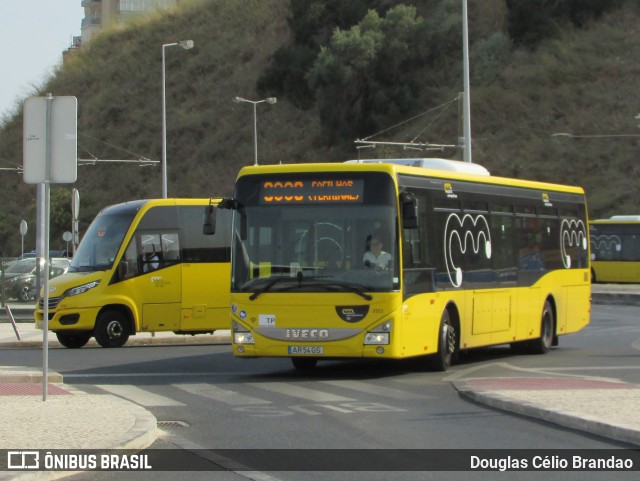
x=73, y=340
x=112, y=329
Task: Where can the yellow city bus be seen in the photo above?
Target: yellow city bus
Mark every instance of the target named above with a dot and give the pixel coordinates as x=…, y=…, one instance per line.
x=472, y=260
x=143, y=266
x=615, y=249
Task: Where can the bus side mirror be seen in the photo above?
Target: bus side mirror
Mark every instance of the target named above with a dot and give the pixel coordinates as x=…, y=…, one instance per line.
x=409, y=209
x=209, y=221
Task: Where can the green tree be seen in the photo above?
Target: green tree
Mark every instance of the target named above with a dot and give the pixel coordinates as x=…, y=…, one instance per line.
x=366, y=76
x=531, y=21
x=59, y=216
x=311, y=23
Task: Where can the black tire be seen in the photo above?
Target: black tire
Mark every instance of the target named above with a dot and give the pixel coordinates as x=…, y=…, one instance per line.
x=24, y=293
x=304, y=363
x=543, y=344
x=73, y=340
x=112, y=329
x=441, y=361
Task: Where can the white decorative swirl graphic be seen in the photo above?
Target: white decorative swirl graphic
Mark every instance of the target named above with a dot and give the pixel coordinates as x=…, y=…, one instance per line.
x=606, y=242
x=572, y=234
x=464, y=233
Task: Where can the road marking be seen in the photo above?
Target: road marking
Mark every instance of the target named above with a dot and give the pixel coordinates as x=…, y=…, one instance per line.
x=216, y=393
x=139, y=396
x=150, y=374
x=377, y=390
x=300, y=392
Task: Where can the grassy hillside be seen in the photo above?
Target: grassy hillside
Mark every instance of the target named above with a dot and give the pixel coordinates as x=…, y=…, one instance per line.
x=581, y=81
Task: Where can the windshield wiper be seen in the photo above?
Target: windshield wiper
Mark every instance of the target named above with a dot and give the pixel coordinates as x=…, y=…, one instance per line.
x=357, y=289
x=349, y=286
x=270, y=284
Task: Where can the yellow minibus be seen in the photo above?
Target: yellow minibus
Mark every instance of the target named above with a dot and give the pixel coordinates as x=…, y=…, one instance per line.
x=143, y=266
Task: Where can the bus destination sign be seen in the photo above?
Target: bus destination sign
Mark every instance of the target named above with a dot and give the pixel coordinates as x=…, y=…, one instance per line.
x=318, y=191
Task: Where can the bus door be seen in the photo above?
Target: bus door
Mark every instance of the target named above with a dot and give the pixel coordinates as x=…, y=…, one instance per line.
x=155, y=279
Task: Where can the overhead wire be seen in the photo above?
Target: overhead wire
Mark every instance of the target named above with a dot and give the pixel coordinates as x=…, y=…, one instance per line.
x=441, y=106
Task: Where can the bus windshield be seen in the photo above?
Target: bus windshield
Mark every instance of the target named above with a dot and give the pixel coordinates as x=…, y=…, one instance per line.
x=348, y=244
x=101, y=242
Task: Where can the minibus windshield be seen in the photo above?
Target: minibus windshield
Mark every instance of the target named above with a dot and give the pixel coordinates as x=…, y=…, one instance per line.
x=100, y=244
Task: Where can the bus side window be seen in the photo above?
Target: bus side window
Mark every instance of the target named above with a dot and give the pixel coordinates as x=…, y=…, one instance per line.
x=151, y=252
x=150, y=258
x=170, y=248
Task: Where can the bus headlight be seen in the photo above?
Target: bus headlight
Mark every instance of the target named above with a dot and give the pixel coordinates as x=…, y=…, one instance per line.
x=381, y=335
x=74, y=291
x=241, y=334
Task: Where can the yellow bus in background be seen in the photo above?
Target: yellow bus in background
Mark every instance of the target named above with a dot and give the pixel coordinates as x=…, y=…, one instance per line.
x=143, y=266
x=471, y=260
x=615, y=249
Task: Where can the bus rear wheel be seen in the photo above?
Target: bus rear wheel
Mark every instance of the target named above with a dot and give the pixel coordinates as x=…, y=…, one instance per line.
x=112, y=329
x=73, y=341
x=441, y=361
x=543, y=344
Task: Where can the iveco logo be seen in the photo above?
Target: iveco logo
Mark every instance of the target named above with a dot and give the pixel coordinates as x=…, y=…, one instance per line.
x=307, y=334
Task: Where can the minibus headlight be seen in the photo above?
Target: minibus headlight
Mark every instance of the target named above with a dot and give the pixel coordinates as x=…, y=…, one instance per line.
x=241, y=334
x=380, y=335
x=74, y=291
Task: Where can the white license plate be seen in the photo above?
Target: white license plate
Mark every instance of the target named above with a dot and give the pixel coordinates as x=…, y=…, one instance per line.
x=306, y=350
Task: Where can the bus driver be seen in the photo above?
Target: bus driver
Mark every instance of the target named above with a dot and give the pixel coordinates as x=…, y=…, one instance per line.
x=376, y=257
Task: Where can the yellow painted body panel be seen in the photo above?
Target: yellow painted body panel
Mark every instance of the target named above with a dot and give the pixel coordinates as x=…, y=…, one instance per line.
x=487, y=317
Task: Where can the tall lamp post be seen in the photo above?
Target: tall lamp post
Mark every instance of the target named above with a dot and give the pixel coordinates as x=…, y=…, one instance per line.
x=269, y=100
x=186, y=44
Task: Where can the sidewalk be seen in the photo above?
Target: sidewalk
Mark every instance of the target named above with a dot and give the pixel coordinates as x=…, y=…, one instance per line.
x=604, y=407
x=108, y=422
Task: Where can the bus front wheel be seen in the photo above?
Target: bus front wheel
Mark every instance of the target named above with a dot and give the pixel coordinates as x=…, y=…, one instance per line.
x=543, y=344
x=441, y=361
x=73, y=341
x=112, y=329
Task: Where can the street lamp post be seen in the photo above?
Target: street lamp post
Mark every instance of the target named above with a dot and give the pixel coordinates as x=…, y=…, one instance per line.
x=186, y=44
x=269, y=100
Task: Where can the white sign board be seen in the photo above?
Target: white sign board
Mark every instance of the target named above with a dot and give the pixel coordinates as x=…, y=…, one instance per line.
x=62, y=126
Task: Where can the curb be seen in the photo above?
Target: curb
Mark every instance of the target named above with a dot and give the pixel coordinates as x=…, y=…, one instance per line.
x=18, y=375
x=616, y=299
x=564, y=418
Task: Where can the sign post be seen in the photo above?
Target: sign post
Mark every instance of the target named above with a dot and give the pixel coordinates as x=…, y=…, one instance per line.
x=75, y=215
x=50, y=155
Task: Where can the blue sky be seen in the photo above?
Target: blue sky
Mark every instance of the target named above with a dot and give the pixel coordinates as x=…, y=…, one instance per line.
x=33, y=35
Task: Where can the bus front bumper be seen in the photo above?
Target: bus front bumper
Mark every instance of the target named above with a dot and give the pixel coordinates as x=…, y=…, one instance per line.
x=81, y=319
